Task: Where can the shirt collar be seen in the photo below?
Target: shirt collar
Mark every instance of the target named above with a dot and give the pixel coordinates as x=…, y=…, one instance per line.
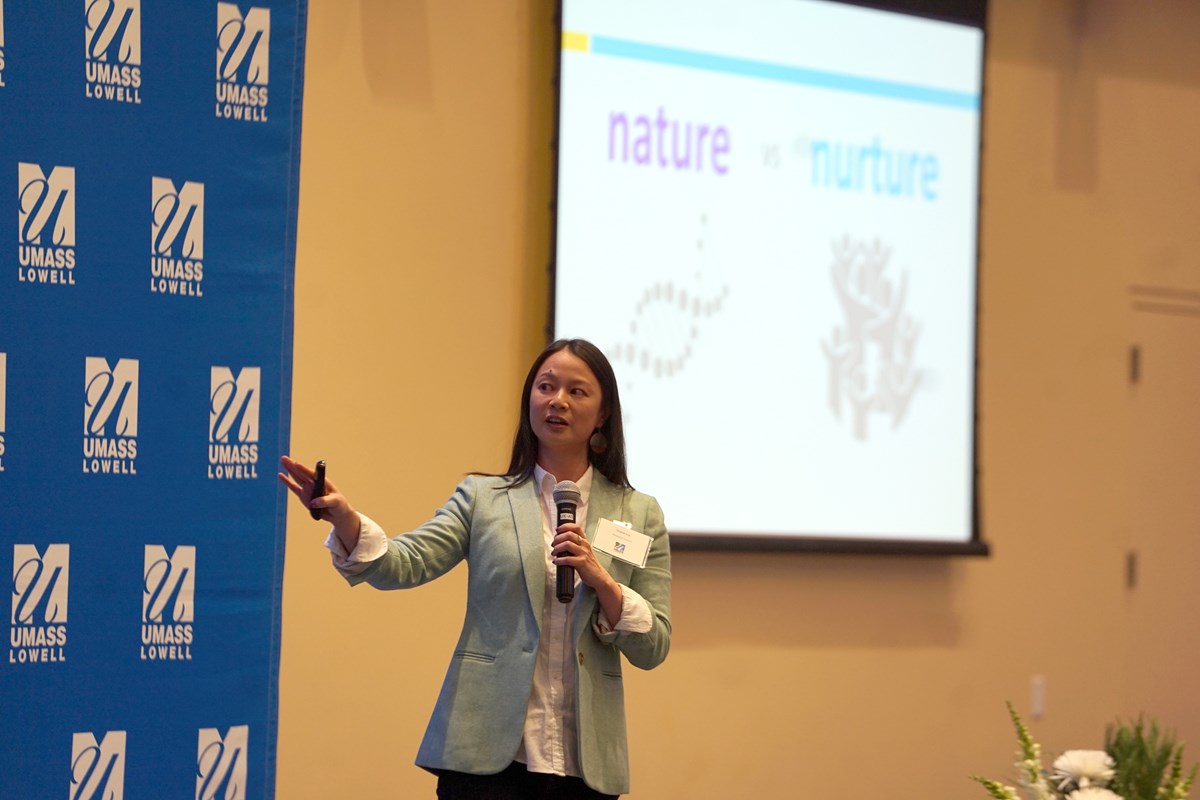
x=546, y=482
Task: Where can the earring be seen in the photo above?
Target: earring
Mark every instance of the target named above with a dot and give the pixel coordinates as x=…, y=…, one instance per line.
x=598, y=442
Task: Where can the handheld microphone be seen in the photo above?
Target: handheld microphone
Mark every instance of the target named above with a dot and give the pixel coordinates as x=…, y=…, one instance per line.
x=566, y=499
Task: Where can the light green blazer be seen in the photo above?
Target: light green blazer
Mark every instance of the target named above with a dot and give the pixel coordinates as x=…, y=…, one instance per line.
x=479, y=718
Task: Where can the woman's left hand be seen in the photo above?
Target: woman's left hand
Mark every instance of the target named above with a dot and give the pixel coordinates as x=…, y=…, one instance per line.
x=570, y=548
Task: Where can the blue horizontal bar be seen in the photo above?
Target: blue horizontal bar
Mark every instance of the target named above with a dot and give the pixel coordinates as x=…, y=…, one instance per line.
x=747, y=68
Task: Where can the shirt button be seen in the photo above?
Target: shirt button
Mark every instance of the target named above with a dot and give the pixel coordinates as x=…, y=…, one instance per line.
x=581, y=658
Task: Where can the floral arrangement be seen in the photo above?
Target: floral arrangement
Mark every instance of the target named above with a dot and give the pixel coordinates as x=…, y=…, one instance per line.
x=1137, y=763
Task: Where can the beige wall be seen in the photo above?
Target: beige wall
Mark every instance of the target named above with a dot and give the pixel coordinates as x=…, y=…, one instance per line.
x=420, y=298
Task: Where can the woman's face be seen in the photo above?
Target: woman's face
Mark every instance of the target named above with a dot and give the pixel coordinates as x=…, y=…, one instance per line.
x=565, y=403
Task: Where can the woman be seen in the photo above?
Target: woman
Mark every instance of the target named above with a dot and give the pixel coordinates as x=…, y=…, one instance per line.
x=532, y=704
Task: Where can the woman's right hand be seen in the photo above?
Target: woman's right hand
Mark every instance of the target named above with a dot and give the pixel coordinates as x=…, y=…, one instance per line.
x=333, y=505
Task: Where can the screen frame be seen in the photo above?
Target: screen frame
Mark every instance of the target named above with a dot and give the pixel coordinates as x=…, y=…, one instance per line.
x=972, y=13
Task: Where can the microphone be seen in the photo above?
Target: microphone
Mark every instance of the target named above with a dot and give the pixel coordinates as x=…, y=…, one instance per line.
x=566, y=499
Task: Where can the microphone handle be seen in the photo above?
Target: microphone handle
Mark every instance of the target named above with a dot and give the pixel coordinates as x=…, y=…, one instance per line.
x=564, y=577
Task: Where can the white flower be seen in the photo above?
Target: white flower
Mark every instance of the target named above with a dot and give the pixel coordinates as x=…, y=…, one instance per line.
x=1084, y=768
x=1093, y=793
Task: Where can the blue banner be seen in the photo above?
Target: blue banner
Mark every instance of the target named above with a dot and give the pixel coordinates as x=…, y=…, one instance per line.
x=150, y=164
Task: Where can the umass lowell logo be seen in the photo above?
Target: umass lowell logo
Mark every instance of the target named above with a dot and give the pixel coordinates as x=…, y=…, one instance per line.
x=176, y=237
x=38, y=632
x=3, y=402
x=98, y=768
x=110, y=416
x=45, y=224
x=113, y=50
x=1, y=43
x=221, y=763
x=168, y=603
x=233, y=423
x=243, y=61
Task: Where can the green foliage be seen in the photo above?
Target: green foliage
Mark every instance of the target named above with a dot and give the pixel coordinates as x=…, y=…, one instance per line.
x=996, y=789
x=1029, y=748
x=1149, y=765
x=1149, y=762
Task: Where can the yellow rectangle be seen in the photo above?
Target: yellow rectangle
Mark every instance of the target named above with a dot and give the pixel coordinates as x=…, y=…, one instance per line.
x=575, y=41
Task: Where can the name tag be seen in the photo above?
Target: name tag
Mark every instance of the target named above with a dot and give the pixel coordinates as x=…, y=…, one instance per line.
x=621, y=542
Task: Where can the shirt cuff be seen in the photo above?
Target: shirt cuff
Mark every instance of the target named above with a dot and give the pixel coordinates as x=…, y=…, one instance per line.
x=372, y=545
x=635, y=615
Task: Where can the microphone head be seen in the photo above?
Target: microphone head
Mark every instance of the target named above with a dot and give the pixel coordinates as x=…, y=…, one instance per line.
x=567, y=492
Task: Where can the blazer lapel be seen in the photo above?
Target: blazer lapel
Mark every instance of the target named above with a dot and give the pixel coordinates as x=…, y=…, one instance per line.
x=527, y=519
x=604, y=502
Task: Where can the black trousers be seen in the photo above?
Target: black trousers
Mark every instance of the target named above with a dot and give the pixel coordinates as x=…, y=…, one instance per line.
x=514, y=783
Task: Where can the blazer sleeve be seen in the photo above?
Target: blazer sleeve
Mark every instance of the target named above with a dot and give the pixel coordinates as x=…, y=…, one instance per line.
x=653, y=583
x=429, y=551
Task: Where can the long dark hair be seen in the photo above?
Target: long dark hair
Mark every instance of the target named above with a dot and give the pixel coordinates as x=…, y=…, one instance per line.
x=610, y=463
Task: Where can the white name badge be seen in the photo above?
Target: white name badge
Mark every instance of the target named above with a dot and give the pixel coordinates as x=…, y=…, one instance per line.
x=622, y=542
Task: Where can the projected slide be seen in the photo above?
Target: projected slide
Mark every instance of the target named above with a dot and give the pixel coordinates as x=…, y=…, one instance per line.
x=767, y=219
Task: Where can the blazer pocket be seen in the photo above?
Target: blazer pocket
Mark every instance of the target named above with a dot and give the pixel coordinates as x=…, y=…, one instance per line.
x=467, y=655
x=613, y=676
